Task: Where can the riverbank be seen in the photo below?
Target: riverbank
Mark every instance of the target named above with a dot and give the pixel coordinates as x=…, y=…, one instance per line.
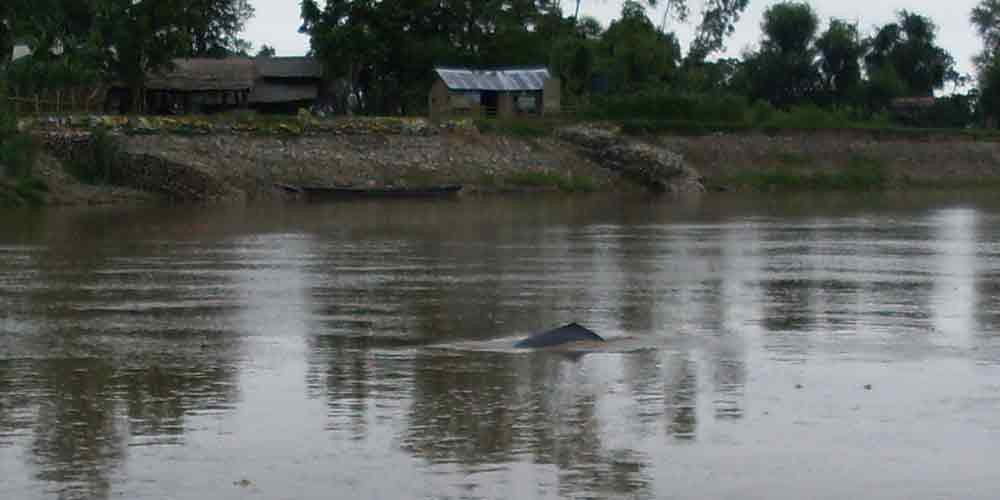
x=153, y=160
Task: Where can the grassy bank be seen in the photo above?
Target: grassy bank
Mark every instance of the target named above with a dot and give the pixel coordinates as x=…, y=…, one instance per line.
x=790, y=173
x=539, y=180
x=652, y=113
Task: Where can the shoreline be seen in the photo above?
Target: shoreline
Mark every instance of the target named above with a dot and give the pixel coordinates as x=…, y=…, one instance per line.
x=192, y=160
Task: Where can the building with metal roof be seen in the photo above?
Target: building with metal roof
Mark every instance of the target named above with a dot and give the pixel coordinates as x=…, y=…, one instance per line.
x=504, y=92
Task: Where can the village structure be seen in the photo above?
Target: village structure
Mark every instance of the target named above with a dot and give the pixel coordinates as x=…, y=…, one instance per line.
x=502, y=92
x=287, y=84
x=197, y=86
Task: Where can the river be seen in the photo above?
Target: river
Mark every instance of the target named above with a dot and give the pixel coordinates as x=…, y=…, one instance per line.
x=821, y=347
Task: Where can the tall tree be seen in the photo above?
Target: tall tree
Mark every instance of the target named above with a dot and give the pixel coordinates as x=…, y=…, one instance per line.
x=986, y=19
x=635, y=53
x=840, y=50
x=909, y=47
x=140, y=37
x=214, y=27
x=718, y=22
x=784, y=70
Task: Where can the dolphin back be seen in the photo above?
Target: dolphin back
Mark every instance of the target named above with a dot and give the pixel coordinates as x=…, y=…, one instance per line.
x=559, y=336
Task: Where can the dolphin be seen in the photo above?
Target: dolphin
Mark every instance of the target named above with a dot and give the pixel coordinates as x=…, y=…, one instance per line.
x=572, y=333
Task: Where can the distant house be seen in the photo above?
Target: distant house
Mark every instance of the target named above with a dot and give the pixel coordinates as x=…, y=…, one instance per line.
x=503, y=92
x=204, y=85
x=200, y=85
x=286, y=84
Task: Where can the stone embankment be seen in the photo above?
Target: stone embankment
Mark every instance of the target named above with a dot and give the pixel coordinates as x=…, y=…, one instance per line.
x=196, y=160
x=653, y=166
x=233, y=164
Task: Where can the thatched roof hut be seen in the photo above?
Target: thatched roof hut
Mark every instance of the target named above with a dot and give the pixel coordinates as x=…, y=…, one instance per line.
x=204, y=85
x=203, y=74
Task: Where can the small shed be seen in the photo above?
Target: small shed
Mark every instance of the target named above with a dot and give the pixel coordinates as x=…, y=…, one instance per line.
x=503, y=92
x=285, y=84
x=201, y=85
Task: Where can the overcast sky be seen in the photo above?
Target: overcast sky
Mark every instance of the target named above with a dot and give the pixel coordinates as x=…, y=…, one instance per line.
x=277, y=21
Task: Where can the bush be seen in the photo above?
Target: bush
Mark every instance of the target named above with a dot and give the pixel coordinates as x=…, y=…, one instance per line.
x=18, y=154
x=97, y=165
x=665, y=105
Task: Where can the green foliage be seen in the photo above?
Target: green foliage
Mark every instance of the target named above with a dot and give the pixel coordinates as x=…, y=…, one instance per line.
x=860, y=174
x=18, y=154
x=666, y=105
x=986, y=19
x=909, y=47
x=633, y=53
x=86, y=42
x=989, y=88
x=515, y=127
x=97, y=165
x=783, y=72
x=840, y=50
x=719, y=18
x=266, y=51
x=811, y=116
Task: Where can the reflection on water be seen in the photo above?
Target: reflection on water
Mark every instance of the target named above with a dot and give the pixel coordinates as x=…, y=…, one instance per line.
x=319, y=348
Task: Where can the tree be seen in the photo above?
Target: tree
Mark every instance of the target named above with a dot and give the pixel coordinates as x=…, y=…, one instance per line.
x=840, y=50
x=214, y=27
x=909, y=47
x=634, y=53
x=140, y=37
x=784, y=70
x=718, y=22
x=986, y=18
x=266, y=51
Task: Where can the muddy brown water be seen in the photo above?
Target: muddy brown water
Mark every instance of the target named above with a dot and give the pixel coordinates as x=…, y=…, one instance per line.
x=783, y=348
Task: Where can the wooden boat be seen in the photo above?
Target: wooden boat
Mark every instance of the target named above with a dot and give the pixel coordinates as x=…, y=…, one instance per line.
x=338, y=192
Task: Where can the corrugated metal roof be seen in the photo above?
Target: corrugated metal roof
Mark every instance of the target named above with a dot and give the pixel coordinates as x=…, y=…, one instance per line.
x=506, y=79
x=289, y=67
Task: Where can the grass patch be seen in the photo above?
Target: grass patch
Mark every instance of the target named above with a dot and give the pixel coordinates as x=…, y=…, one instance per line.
x=546, y=179
x=519, y=127
x=860, y=174
x=21, y=192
